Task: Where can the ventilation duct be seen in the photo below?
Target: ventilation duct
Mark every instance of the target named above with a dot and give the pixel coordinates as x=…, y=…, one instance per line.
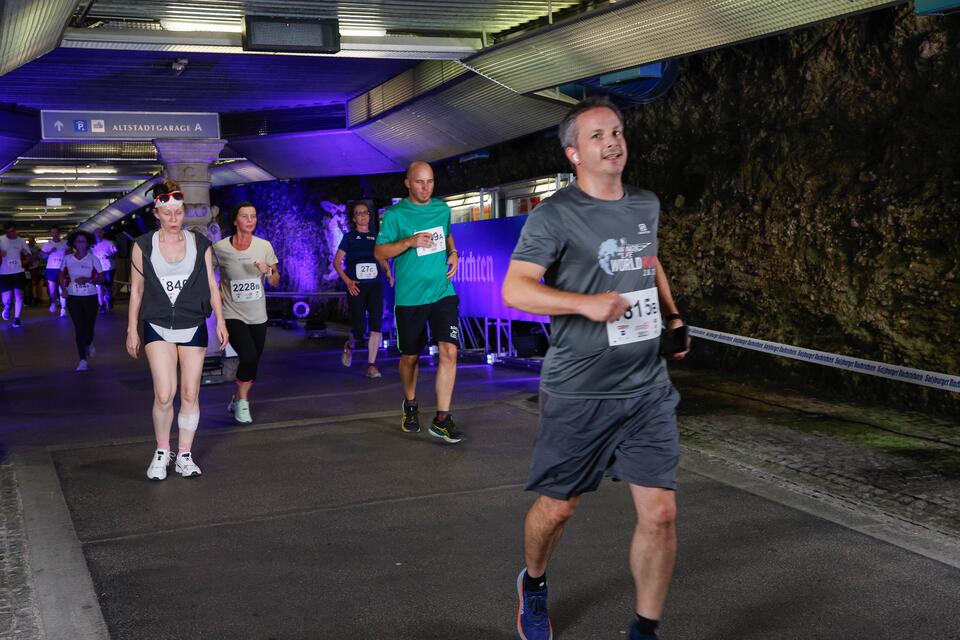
x=30, y=28
x=468, y=115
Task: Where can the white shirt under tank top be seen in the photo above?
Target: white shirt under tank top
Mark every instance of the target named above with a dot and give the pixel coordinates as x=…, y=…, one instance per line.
x=172, y=276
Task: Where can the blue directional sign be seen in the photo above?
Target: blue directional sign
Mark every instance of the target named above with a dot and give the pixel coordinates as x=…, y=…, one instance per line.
x=127, y=125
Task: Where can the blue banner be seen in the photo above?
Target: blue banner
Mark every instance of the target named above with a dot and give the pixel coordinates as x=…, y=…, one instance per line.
x=485, y=248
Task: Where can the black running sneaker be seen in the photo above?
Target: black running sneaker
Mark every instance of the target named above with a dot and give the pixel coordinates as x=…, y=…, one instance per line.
x=446, y=430
x=411, y=418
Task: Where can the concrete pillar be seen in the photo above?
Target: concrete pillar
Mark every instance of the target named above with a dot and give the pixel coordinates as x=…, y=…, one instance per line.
x=188, y=162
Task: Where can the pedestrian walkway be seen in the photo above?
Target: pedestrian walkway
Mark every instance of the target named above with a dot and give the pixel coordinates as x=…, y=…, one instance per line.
x=322, y=520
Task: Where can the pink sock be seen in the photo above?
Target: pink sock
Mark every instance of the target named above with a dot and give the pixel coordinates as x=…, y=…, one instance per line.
x=164, y=444
x=181, y=449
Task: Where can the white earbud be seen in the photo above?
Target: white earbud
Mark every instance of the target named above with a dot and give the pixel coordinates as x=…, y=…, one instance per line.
x=576, y=157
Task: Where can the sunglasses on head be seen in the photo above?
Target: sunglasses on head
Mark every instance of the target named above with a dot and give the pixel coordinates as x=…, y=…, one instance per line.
x=164, y=198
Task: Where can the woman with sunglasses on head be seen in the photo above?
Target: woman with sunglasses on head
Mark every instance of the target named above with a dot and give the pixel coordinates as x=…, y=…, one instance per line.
x=364, y=285
x=245, y=260
x=172, y=292
x=80, y=274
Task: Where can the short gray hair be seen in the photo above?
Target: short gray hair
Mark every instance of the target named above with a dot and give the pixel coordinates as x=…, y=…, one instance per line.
x=568, y=126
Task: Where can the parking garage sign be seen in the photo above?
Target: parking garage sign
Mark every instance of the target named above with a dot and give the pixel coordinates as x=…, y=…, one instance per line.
x=127, y=125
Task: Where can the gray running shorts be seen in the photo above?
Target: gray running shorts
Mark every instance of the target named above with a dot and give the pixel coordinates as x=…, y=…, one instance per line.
x=581, y=440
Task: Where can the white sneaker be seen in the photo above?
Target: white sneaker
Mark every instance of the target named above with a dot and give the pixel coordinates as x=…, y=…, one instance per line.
x=53, y=307
x=241, y=412
x=6, y=313
x=158, y=464
x=83, y=366
x=185, y=466
x=91, y=351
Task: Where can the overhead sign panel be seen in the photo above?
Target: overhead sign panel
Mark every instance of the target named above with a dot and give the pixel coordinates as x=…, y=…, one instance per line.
x=127, y=125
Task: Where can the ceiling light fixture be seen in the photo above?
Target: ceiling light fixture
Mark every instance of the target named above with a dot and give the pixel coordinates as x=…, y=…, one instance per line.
x=363, y=31
x=191, y=25
x=66, y=171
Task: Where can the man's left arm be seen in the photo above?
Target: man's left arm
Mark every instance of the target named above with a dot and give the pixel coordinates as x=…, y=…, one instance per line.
x=668, y=306
x=453, y=258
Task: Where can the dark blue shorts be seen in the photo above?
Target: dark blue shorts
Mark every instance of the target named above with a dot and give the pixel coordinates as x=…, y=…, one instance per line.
x=200, y=338
x=52, y=274
x=582, y=440
x=11, y=281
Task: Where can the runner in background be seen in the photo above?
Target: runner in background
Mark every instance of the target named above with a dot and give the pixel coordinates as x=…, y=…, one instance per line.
x=55, y=250
x=105, y=249
x=13, y=253
x=364, y=279
x=80, y=274
x=245, y=261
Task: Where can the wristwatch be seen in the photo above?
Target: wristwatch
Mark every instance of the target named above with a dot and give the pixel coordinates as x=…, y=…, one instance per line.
x=672, y=316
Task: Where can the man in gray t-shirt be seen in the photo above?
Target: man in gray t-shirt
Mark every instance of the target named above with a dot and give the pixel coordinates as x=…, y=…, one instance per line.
x=606, y=403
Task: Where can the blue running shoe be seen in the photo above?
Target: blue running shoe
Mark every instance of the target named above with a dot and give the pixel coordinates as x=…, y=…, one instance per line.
x=636, y=635
x=533, y=623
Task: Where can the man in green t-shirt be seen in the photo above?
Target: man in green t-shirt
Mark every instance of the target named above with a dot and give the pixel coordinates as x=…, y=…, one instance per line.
x=416, y=234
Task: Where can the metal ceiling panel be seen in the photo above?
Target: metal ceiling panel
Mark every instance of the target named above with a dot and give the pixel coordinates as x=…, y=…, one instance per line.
x=29, y=29
x=411, y=16
x=470, y=114
x=426, y=76
x=109, y=80
x=628, y=34
x=315, y=154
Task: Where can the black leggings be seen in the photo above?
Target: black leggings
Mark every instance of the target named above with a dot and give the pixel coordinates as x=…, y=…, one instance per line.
x=83, y=312
x=369, y=300
x=247, y=340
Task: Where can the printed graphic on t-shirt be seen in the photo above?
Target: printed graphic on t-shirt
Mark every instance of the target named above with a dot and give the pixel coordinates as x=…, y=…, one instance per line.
x=638, y=323
x=438, y=241
x=617, y=256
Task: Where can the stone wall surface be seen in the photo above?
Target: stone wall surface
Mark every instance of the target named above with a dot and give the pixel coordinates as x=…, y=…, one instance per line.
x=810, y=185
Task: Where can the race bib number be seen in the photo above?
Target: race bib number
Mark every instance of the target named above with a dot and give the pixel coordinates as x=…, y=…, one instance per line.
x=438, y=242
x=640, y=322
x=173, y=286
x=85, y=289
x=367, y=271
x=246, y=290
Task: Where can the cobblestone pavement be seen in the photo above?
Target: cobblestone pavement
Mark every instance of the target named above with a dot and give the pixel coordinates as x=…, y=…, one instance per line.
x=18, y=612
x=905, y=465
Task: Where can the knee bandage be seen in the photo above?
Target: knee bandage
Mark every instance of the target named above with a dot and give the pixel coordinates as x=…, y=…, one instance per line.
x=188, y=422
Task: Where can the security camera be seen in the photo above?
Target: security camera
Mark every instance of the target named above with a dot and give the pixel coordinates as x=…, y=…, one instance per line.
x=179, y=66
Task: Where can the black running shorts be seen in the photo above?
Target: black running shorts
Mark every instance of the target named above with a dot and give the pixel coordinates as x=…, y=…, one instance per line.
x=581, y=440
x=11, y=281
x=442, y=316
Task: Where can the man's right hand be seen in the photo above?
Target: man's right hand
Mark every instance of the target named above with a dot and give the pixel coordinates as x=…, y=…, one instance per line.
x=422, y=240
x=603, y=307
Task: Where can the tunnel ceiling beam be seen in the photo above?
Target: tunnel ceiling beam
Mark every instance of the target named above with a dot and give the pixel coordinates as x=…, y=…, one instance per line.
x=30, y=28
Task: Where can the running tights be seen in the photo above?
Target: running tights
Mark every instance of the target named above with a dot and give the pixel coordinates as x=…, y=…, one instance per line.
x=247, y=340
x=83, y=312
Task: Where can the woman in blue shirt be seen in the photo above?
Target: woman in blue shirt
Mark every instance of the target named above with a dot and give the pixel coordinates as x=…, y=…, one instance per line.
x=363, y=277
